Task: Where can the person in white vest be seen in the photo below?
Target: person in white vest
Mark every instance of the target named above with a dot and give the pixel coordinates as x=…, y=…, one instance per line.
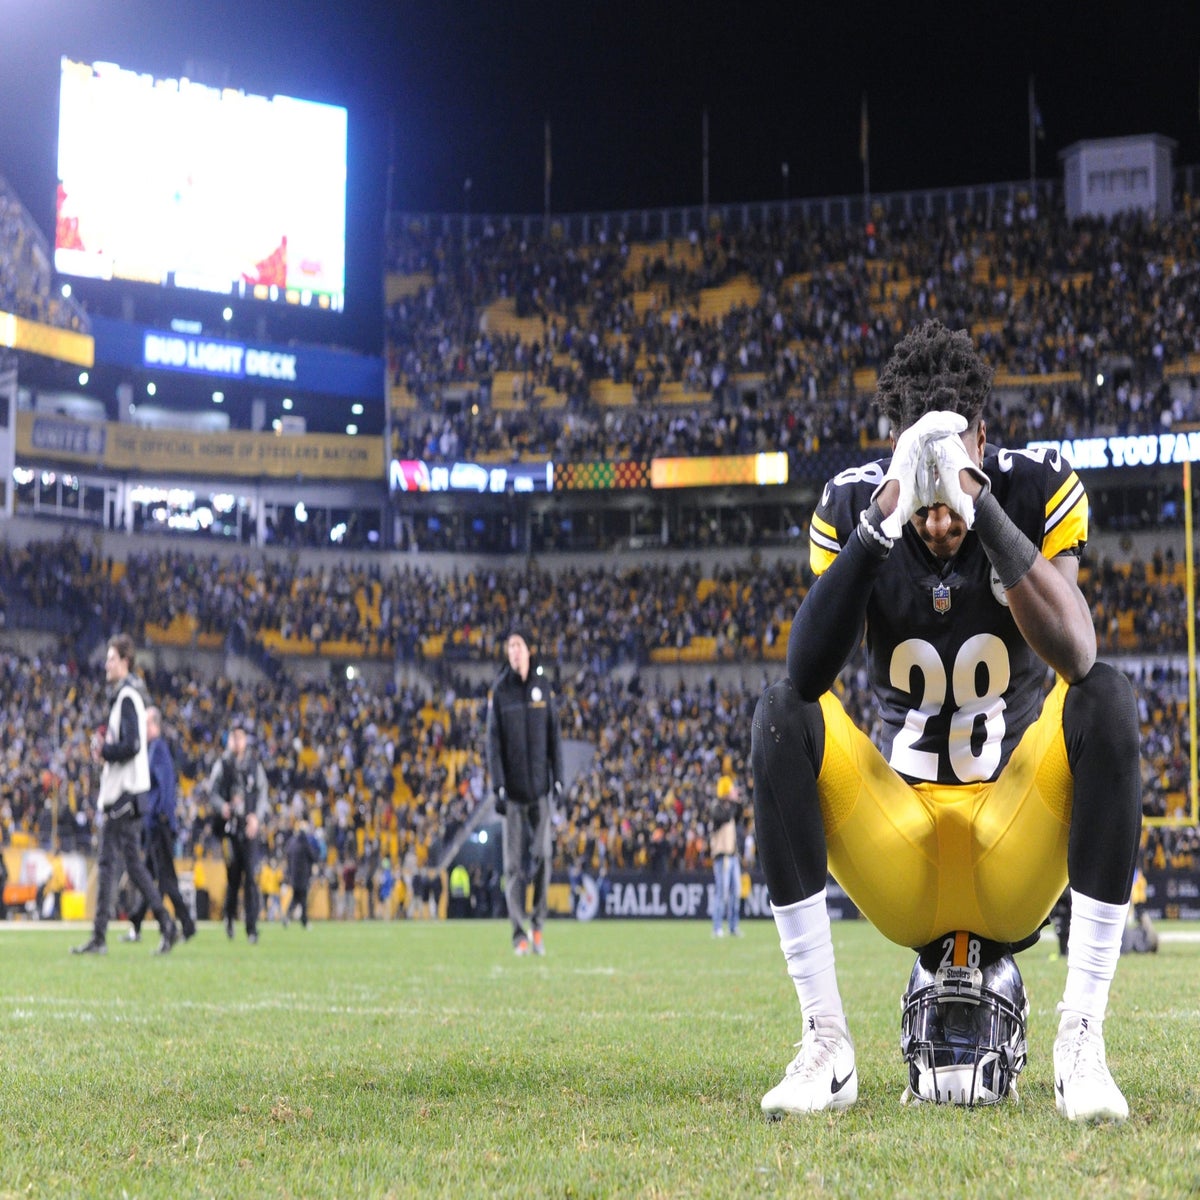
x=121, y=749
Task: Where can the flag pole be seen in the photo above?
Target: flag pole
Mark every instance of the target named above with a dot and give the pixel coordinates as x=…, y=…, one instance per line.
x=1032, y=144
x=549, y=166
x=864, y=154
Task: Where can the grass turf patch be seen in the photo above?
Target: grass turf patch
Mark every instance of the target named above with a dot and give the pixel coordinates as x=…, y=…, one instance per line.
x=406, y=1059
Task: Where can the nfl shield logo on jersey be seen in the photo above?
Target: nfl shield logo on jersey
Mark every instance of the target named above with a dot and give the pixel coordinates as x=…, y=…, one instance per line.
x=941, y=598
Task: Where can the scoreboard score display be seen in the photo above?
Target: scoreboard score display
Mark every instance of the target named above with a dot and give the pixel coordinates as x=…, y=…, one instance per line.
x=175, y=183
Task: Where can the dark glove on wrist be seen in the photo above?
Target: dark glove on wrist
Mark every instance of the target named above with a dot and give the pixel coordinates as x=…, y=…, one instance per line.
x=870, y=531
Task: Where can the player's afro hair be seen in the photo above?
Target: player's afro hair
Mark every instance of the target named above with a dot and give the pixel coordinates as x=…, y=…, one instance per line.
x=933, y=369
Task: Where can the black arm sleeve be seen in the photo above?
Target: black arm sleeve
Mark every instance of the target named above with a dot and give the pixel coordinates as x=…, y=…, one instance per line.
x=128, y=743
x=830, y=623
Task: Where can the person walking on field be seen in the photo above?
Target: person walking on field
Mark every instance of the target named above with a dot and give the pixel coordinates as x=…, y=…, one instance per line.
x=121, y=751
x=524, y=753
x=238, y=783
x=302, y=856
x=160, y=825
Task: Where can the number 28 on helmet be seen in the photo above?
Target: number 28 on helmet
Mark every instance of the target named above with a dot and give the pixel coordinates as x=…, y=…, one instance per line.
x=962, y=1022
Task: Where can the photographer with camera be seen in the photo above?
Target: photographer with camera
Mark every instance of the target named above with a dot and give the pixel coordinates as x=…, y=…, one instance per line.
x=238, y=785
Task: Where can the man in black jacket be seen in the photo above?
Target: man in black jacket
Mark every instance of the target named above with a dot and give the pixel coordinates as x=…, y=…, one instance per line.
x=302, y=856
x=160, y=826
x=524, y=751
x=238, y=785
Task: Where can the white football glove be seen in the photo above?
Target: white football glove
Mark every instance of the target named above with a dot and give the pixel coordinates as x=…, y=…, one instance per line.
x=946, y=457
x=911, y=469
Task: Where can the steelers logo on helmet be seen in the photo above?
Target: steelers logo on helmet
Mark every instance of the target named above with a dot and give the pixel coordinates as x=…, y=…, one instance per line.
x=962, y=1022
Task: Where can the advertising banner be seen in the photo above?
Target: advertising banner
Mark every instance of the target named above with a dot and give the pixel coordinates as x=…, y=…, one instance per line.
x=291, y=368
x=416, y=475
x=113, y=446
x=601, y=476
x=1173, y=893
x=719, y=470
x=682, y=895
x=65, y=345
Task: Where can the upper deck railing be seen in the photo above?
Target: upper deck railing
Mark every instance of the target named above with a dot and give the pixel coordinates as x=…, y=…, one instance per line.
x=651, y=224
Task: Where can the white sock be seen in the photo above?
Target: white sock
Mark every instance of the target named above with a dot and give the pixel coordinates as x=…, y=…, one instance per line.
x=807, y=944
x=1093, y=948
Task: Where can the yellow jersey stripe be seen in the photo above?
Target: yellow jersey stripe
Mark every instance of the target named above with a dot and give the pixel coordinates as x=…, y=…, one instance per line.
x=1067, y=526
x=823, y=526
x=1070, y=483
x=819, y=559
x=823, y=544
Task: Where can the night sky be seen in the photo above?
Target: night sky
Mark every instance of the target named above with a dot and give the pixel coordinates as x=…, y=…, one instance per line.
x=458, y=89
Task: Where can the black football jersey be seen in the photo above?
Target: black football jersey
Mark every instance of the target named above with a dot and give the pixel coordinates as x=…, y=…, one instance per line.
x=956, y=683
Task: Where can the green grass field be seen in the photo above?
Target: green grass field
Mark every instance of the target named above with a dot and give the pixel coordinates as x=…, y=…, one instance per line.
x=426, y=1060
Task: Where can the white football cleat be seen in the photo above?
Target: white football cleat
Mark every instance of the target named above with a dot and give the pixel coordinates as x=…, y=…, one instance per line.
x=821, y=1077
x=1083, y=1088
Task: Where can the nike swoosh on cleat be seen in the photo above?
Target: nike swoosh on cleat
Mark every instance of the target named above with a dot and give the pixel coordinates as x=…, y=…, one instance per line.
x=838, y=1084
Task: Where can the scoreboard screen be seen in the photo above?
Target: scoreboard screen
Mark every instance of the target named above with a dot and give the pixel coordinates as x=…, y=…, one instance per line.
x=175, y=183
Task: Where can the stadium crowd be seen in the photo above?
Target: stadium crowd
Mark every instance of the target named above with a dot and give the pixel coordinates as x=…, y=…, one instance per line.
x=376, y=776
x=597, y=617
x=1043, y=297
x=388, y=779
x=25, y=269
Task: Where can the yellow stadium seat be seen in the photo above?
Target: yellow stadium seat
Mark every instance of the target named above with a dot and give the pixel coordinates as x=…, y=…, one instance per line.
x=398, y=286
x=719, y=301
x=401, y=399
x=612, y=395
x=865, y=379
